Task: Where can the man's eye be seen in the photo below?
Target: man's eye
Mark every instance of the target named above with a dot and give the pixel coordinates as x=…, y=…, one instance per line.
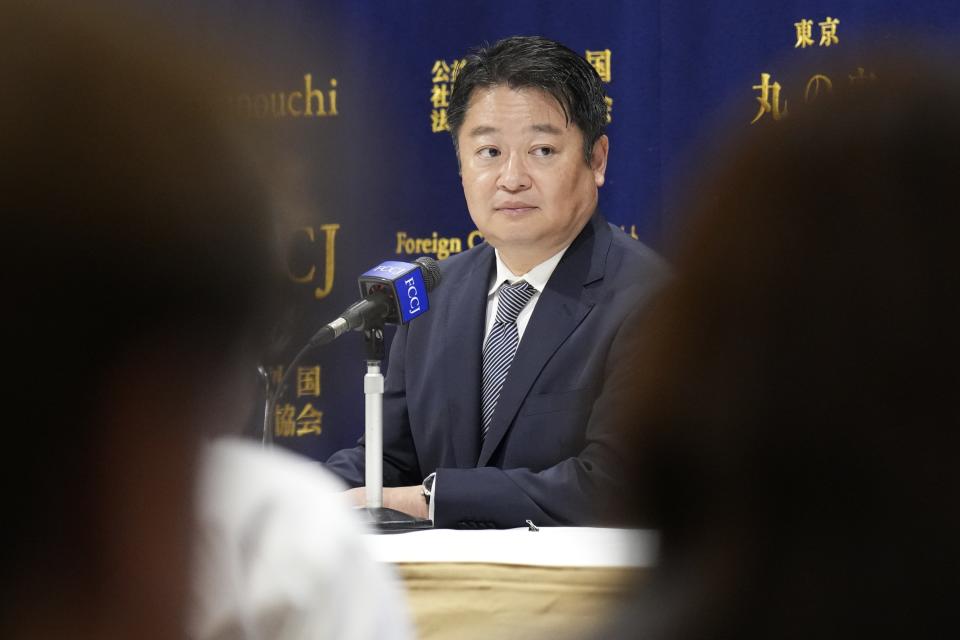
x=488, y=152
x=543, y=151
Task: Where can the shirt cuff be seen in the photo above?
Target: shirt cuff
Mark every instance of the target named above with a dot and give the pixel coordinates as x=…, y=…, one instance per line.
x=433, y=496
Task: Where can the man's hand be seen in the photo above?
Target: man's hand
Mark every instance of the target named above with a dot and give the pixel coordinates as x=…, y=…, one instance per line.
x=409, y=500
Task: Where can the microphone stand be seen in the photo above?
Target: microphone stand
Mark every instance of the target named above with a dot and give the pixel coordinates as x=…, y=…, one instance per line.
x=374, y=513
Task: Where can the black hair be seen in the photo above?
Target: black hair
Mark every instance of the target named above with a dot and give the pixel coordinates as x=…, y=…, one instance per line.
x=534, y=62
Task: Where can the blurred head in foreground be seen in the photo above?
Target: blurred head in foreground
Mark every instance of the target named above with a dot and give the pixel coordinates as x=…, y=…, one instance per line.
x=136, y=254
x=797, y=418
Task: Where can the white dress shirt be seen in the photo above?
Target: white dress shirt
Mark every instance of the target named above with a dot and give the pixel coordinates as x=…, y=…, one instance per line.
x=536, y=277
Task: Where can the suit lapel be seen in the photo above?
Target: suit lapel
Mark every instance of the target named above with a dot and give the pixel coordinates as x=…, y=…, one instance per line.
x=562, y=306
x=463, y=349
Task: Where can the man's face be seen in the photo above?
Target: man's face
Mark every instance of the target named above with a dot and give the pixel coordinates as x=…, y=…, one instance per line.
x=527, y=185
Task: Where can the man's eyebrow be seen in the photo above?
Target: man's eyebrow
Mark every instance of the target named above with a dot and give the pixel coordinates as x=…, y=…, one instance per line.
x=482, y=130
x=546, y=128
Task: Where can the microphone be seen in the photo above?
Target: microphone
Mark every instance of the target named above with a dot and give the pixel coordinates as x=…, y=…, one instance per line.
x=392, y=293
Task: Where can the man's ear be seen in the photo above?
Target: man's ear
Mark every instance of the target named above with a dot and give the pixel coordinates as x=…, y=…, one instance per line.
x=598, y=159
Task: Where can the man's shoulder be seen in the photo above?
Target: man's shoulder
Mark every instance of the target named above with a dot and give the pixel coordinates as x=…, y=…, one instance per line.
x=634, y=250
x=464, y=262
x=631, y=257
x=457, y=272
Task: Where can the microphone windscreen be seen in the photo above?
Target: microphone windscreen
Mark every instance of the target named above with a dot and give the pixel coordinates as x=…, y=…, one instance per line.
x=430, y=269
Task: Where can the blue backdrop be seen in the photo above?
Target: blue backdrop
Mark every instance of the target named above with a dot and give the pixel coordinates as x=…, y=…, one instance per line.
x=352, y=95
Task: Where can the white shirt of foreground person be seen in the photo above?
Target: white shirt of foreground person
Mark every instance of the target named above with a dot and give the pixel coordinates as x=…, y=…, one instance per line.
x=281, y=557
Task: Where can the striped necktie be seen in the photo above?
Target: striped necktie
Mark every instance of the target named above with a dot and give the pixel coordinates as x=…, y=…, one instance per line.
x=501, y=346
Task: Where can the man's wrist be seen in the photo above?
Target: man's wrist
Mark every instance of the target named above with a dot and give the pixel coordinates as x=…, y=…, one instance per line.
x=405, y=499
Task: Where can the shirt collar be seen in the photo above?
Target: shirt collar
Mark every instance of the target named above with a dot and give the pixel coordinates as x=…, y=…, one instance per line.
x=537, y=277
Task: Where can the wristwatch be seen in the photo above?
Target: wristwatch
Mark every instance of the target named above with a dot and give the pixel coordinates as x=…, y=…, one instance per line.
x=426, y=489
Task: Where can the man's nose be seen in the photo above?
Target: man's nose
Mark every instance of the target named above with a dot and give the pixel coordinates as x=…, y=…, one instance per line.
x=514, y=176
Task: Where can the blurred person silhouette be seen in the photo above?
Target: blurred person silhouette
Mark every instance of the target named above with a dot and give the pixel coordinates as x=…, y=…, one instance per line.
x=138, y=263
x=795, y=423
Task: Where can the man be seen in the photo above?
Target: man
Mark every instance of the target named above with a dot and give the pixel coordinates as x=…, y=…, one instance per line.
x=495, y=391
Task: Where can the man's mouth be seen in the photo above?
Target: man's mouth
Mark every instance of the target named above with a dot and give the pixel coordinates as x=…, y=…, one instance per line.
x=514, y=207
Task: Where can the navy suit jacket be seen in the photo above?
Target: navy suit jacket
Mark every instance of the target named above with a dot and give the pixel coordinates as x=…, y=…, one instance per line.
x=552, y=453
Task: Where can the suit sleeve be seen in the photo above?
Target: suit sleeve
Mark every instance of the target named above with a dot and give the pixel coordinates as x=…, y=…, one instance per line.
x=400, y=467
x=577, y=491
